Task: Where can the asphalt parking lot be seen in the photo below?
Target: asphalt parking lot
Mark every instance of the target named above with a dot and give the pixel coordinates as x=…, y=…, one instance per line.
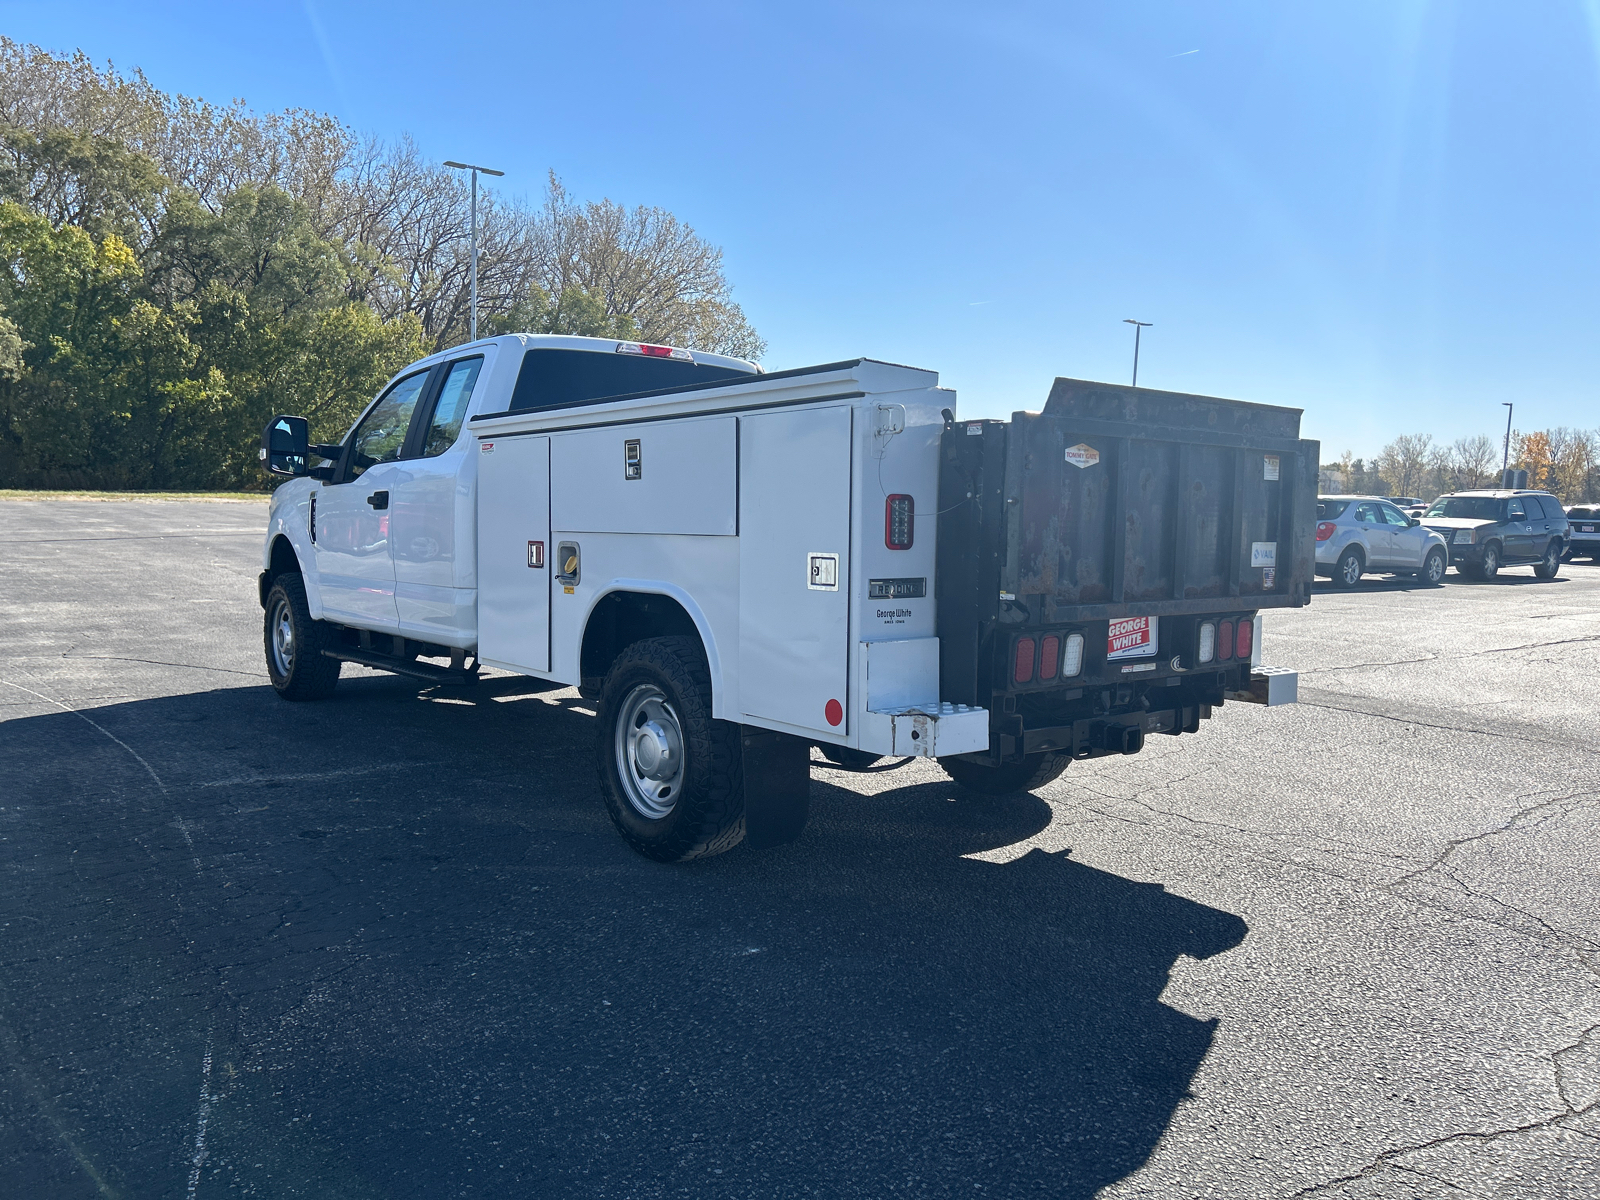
x=389, y=945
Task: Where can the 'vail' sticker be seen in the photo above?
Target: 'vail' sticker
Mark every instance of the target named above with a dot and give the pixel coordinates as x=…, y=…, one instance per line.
x=1263, y=554
x=1082, y=456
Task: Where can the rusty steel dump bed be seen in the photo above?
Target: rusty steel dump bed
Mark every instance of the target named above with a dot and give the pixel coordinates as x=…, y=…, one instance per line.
x=1116, y=504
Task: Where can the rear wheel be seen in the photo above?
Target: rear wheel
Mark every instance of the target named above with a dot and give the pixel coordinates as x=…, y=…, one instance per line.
x=294, y=643
x=1347, y=571
x=671, y=774
x=1032, y=773
x=1433, y=568
x=848, y=758
x=1551, y=562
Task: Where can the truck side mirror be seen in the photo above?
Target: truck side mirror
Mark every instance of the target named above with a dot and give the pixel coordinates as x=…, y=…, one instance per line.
x=284, y=445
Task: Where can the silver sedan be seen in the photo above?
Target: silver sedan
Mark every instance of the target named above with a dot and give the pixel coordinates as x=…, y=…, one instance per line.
x=1361, y=534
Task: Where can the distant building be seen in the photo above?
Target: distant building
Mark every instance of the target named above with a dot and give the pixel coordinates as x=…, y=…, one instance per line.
x=1330, y=481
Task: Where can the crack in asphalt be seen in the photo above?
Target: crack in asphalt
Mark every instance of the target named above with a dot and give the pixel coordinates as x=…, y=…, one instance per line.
x=1411, y=662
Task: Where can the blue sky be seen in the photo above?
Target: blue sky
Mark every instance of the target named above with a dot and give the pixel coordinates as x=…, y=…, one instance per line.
x=1383, y=212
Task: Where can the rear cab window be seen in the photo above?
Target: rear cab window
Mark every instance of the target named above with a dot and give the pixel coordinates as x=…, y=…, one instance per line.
x=557, y=378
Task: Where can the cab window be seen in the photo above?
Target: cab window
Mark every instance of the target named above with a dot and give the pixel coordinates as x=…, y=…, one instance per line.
x=381, y=436
x=1515, y=512
x=451, y=407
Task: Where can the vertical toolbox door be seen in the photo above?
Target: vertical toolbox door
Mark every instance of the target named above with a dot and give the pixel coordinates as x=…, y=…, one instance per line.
x=514, y=553
x=794, y=562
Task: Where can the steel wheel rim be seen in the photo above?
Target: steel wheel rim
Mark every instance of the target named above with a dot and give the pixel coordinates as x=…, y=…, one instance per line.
x=282, y=638
x=650, y=752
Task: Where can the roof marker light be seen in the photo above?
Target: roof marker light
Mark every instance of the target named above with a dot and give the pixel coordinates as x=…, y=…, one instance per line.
x=649, y=351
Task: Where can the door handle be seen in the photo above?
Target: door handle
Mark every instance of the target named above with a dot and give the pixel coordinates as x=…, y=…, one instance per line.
x=379, y=499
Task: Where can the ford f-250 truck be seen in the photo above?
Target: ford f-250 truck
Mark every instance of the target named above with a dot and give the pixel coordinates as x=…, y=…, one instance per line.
x=739, y=565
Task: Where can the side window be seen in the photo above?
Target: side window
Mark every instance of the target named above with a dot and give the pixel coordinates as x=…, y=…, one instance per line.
x=382, y=434
x=451, y=407
x=1364, y=512
x=1395, y=517
x=1552, y=508
x=1514, y=511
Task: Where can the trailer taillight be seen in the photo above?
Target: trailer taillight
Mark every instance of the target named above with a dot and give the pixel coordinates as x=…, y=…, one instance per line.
x=1225, y=641
x=1247, y=633
x=1049, y=656
x=899, y=522
x=1207, y=649
x=1023, y=671
x=1324, y=530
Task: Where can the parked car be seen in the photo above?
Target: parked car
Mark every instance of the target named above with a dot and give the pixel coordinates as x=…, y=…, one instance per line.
x=1361, y=534
x=1584, y=536
x=1405, y=502
x=1492, y=529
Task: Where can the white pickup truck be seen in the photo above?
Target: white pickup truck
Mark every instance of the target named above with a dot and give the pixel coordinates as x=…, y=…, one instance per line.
x=740, y=565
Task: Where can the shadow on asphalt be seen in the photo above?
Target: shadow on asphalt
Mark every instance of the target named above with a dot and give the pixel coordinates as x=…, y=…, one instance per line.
x=427, y=967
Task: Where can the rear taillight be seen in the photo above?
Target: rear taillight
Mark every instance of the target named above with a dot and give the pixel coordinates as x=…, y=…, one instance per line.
x=1247, y=633
x=1208, y=642
x=1225, y=640
x=899, y=522
x=1023, y=671
x=1049, y=656
x=1324, y=530
x=1072, y=658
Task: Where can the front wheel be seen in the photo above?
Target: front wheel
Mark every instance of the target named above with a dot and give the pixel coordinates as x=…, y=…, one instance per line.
x=672, y=776
x=294, y=643
x=1550, y=563
x=1032, y=773
x=1432, y=572
x=1490, y=567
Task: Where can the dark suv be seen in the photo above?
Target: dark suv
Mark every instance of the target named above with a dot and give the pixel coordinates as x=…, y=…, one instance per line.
x=1585, y=535
x=1488, y=530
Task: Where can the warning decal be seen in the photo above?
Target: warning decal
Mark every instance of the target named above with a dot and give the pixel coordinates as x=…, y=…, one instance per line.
x=1082, y=456
x=1131, y=637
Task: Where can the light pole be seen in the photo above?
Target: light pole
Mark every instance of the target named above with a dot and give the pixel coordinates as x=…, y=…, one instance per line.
x=1138, y=328
x=476, y=171
x=1505, y=463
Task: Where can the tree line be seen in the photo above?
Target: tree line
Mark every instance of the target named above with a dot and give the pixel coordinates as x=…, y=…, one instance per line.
x=173, y=272
x=1563, y=461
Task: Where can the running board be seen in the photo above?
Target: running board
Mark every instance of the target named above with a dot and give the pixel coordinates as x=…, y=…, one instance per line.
x=453, y=676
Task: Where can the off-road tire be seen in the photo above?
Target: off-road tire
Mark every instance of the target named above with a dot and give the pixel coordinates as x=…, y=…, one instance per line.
x=1549, y=566
x=1032, y=773
x=848, y=758
x=1433, y=568
x=708, y=816
x=1344, y=574
x=310, y=674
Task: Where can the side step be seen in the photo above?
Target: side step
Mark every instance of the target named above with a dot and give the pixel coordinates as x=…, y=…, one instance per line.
x=455, y=675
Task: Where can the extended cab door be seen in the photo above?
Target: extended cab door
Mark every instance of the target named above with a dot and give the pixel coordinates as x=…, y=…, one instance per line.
x=352, y=526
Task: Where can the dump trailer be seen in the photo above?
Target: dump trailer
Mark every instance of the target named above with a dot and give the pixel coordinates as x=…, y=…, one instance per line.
x=739, y=566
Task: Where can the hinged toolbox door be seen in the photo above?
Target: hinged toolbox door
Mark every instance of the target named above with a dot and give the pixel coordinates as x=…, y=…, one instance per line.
x=794, y=562
x=514, y=553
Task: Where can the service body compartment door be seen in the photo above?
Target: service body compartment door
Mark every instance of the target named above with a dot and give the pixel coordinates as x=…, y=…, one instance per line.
x=514, y=553
x=794, y=562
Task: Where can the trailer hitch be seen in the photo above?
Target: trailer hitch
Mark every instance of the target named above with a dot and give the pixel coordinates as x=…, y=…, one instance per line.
x=1123, y=739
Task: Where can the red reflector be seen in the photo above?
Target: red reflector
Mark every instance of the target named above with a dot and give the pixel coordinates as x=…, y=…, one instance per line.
x=1049, y=656
x=1324, y=530
x=1247, y=633
x=1225, y=640
x=1024, y=668
x=899, y=522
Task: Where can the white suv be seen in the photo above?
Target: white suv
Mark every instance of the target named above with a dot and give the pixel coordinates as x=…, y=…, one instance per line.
x=1361, y=534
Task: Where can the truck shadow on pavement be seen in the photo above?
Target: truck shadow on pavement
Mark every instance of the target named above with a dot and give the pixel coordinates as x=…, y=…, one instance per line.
x=426, y=966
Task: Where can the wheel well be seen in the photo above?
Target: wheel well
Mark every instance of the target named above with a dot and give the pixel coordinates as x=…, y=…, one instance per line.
x=622, y=618
x=283, y=560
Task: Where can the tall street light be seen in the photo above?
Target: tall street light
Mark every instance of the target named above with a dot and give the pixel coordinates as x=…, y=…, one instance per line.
x=1138, y=328
x=1505, y=463
x=476, y=171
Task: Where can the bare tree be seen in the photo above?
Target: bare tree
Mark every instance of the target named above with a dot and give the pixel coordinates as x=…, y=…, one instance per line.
x=1404, y=462
x=1472, y=460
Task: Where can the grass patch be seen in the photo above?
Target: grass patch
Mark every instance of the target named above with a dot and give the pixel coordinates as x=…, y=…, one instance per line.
x=21, y=494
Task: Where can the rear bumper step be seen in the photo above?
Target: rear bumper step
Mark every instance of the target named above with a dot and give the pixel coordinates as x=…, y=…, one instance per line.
x=1270, y=686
